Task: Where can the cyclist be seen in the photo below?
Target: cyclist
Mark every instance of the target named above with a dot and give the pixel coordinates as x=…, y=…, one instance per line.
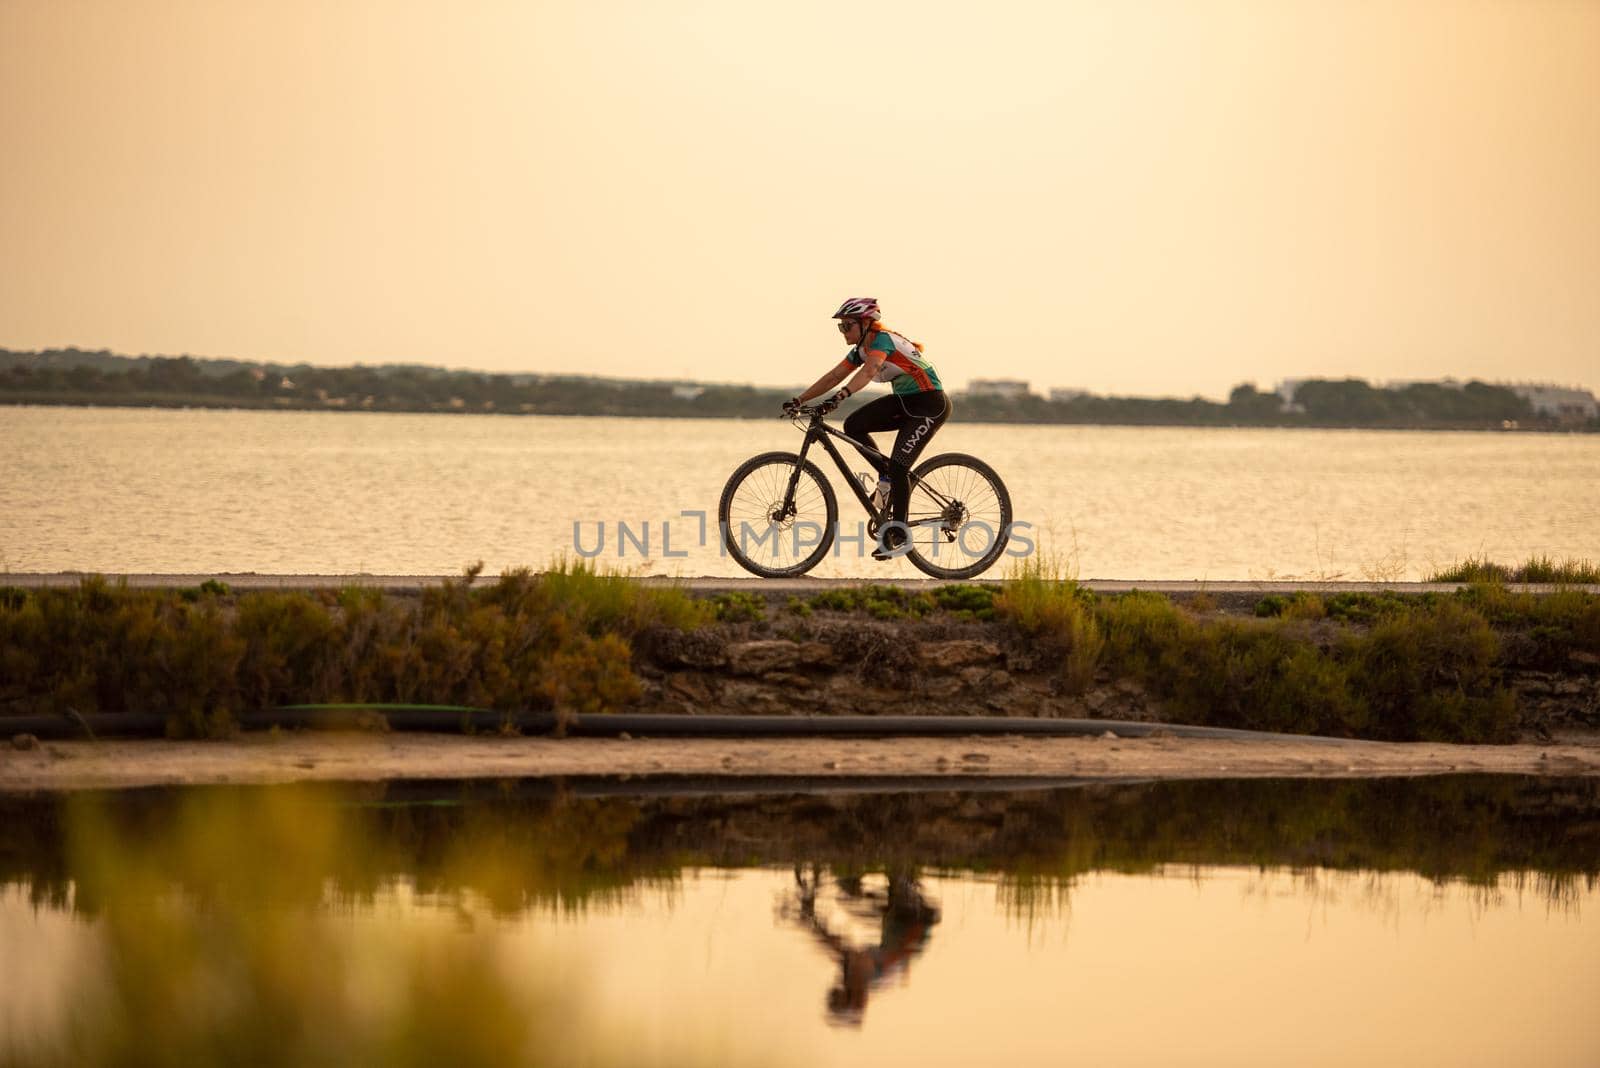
x=915, y=410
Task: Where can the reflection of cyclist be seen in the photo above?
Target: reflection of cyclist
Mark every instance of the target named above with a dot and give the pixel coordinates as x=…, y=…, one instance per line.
x=907, y=919
x=915, y=410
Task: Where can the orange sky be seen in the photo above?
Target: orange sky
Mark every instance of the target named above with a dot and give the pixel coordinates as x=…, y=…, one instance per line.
x=1135, y=197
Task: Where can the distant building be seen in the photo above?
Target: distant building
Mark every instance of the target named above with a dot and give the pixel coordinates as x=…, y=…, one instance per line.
x=1566, y=403
x=1009, y=388
x=687, y=393
x=1060, y=395
x=1286, y=390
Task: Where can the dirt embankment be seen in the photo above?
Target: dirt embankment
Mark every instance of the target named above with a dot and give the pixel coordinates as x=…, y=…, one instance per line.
x=850, y=665
x=841, y=665
x=791, y=659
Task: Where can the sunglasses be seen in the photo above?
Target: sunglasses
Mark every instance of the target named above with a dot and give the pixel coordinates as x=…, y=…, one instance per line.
x=846, y=324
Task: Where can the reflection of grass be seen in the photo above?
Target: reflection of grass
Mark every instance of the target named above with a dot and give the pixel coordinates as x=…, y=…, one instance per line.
x=1482, y=832
x=570, y=855
x=517, y=853
x=222, y=944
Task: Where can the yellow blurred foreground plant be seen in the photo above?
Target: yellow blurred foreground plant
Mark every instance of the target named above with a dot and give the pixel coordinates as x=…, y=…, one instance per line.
x=228, y=935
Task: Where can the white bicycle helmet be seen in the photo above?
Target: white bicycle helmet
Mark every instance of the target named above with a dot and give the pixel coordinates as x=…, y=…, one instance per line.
x=859, y=308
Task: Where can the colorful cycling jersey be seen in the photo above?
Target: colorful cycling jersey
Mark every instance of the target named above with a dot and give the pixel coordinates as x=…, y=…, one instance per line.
x=903, y=364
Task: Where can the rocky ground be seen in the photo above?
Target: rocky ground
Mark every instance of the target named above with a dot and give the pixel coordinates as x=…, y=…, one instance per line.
x=858, y=666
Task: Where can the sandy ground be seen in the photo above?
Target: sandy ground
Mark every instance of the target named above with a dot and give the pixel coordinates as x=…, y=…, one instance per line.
x=298, y=757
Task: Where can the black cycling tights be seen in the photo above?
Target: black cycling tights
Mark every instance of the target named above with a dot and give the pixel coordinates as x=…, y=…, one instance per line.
x=915, y=418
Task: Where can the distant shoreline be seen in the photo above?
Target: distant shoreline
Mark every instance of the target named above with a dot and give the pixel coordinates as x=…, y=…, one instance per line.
x=74, y=378
x=217, y=404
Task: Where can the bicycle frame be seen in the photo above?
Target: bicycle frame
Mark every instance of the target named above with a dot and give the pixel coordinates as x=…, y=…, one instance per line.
x=818, y=431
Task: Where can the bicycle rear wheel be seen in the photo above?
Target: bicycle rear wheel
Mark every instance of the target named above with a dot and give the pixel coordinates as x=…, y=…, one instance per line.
x=769, y=531
x=959, y=515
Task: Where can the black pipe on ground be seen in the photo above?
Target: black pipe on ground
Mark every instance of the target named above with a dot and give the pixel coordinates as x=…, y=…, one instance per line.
x=455, y=791
x=449, y=719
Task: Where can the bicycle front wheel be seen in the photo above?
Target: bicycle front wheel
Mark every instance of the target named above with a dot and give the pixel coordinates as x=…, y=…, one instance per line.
x=777, y=515
x=959, y=515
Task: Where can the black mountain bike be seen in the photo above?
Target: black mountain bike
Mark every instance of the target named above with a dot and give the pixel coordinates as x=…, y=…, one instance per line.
x=779, y=516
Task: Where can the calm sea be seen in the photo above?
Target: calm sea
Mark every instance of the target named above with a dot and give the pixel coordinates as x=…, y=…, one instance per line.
x=135, y=490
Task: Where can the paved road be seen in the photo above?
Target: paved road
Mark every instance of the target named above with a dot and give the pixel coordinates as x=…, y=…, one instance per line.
x=707, y=586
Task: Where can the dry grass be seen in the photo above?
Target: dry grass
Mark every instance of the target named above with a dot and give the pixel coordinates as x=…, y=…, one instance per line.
x=1542, y=569
x=1054, y=610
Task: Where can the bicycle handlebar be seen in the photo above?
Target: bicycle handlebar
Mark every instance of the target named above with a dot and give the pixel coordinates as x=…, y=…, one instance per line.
x=808, y=411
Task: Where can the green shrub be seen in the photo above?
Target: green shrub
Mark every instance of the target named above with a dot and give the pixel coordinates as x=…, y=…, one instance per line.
x=896, y=602
x=1265, y=675
x=1257, y=676
x=1432, y=675
x=1575, y=612
x=590, y=676
x=967, y=600
x=738, y=607
x=287, y=639
x=558, y=640
x=1305, y=606
x=208, y=588
x=1058, y=616
x=1367, y=608
x=601, y=601
x=1271, y=606
x=1429, y=672
x=880, y=602
x=1140, y=629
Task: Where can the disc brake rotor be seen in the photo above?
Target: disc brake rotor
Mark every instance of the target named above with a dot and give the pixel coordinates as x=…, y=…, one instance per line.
x=779, y=516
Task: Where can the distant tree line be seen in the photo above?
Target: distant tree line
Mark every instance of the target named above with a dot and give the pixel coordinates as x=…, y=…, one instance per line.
x=72, y=376
x=1317, y=403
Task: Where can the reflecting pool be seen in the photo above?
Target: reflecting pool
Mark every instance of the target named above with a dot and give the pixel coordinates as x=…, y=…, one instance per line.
x=679, y=922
